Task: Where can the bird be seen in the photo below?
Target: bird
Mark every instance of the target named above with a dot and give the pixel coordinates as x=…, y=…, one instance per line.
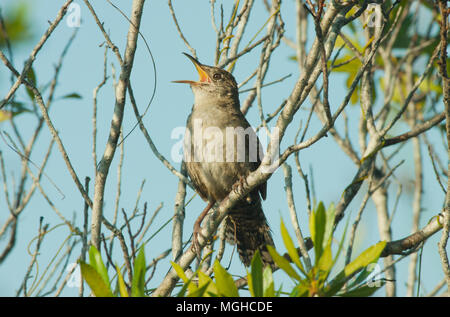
x=220, y=150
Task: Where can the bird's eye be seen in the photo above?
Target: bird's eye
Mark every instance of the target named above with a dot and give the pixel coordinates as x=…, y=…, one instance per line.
x=217, y=76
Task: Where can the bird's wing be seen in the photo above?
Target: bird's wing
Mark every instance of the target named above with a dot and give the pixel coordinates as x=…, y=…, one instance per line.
x=263, y=187
x=254, y=166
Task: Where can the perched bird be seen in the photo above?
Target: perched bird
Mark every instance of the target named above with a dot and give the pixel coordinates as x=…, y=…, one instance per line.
x=220, y=150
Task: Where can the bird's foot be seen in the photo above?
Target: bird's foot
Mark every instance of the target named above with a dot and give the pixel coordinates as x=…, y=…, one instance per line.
x=238, y=187
x=195, y=244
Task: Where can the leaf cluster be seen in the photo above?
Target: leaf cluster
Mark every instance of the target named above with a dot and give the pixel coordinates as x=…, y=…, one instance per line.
x=349, y=281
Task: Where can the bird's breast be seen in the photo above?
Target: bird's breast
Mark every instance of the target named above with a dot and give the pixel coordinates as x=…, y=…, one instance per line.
x=219, y=148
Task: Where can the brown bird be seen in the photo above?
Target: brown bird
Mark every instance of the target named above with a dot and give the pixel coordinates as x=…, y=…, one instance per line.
x=220, y=149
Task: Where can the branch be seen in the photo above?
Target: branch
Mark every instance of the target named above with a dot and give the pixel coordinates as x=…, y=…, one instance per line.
x=34, y=52
x=178, y=218
x=419, y=129
x=445, y=86
x=44, y=111
x=180, y=33
x=411, y=242
x=116, y=123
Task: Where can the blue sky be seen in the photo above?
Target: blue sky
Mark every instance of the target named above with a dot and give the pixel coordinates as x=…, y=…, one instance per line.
x=82, y=72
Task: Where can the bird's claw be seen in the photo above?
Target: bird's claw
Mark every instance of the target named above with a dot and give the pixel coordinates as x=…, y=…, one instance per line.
x=238, y=187
x=195, y=244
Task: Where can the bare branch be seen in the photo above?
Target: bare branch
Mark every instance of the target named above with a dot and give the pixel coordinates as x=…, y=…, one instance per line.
x=116, y=123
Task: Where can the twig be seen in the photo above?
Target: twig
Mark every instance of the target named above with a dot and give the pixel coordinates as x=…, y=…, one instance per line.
x=63, y=265
x=94, y=109
x=117, y=233
x=243, y=52
x=84, y=236
x=152, y=145
x=116, y=123
x=436, y=173
x=418, y=129
x=268, y=84
x=34, y=52
x=44, y=111
x=155, y=213
x=293, y=213
x=41, y=233
x=412, y=92
x=178, y=218
x=180, y=33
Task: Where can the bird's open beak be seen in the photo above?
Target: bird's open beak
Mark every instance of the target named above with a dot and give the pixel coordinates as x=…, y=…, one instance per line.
x=204, y=78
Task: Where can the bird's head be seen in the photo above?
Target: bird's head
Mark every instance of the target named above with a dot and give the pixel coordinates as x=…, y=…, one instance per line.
x=213, y=83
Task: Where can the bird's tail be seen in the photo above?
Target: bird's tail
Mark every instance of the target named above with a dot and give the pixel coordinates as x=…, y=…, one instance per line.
x=246, y=226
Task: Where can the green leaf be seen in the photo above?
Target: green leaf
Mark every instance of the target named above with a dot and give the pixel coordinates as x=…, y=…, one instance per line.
x=5, y=115
x=448, y=65
x=200, y=292
x=138, y=284
x=290, y=247
x=17, y=22
x=428, y=85
x=31, y=77
x=362, y=276
x=203, y=280
x=347, y=65
x=404, y=40
x=182, y=292
x=95, y=260
x=95, y=280
x=336, y=284
x=350, y=66
x=283, y=263
x=279, y=291
x=326, y=261
x=368, y=256
x=122, y=287
x=180, y=272
x=14, y=108
x=73, y=95
x=363, y=291
x=355, y=96
x=187, y=282
x=317, y=223
x=255, y=279
x=300, y=290
x=224, y=281
x=341, y=243
x=329, y=224
x=400, y=89
x=268, y=284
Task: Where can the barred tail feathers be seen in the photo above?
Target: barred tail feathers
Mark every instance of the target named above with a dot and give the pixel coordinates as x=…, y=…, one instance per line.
x=246, y=226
